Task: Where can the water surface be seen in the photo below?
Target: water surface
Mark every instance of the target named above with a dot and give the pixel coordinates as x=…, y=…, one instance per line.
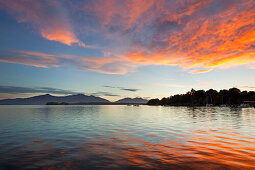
x=126, y=137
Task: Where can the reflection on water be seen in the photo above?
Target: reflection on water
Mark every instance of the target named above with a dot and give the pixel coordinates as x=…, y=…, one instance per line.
x=126, y=137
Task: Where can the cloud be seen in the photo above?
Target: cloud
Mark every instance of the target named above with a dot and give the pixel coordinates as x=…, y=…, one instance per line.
x=183, y=85
x=106, y=65
x=48, y=17
x=246, y=87
x=200, y=71
x=111, y=87
x=127, y=12
x=170, y=85
x=21, y=90
x=131, y=90
x=35, y=61
x=102, y=93
x=124, y=89
x=196, y=35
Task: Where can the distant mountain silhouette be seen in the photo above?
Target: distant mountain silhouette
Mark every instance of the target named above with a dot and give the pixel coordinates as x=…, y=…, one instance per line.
x=137, y=100
x=44, y=99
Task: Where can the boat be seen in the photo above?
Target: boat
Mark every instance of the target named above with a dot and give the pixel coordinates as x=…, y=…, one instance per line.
x=244, y=105
x=247, y=103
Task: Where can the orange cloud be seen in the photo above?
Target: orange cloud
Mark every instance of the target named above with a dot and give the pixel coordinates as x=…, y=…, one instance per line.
x=48, y=17
x=126, y=12
x=246, y=87
x=192, y=34
x=200, y=71
x=196, y=35
x=35, y=59
x=106, y=65
x=64, y=36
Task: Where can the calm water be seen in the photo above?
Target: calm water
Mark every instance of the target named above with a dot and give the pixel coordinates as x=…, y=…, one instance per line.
x=126, y=137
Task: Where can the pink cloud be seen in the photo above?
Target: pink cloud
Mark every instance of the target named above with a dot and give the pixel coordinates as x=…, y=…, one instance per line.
x=196, y=35
x=200, y=71
x=48, y=17
x=246, y=87
x=128, y=13
x=106, y=65
x=41, y=60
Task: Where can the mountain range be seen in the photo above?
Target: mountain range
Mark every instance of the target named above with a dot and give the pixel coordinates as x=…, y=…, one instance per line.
x=132, y=100
x=72, y=99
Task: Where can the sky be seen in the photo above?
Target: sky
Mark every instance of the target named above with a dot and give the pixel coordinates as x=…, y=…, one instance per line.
x=125, y=48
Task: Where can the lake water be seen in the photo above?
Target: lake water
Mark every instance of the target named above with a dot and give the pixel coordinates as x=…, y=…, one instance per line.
x=126, y=137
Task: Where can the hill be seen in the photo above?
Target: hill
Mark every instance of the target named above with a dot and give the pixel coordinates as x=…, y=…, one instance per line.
x=136, y=100
x=44, y=99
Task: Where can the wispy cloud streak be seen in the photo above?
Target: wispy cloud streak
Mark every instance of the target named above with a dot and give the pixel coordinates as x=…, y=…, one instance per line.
x=124, y=89
x=131, y=90
x=106, y=65
x=183, y=85
x=21, y=90
x=103, y=93
x=246, y=87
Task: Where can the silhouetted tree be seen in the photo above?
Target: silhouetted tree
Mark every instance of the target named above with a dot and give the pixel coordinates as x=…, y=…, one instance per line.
x=231, y=97
x=154, y=102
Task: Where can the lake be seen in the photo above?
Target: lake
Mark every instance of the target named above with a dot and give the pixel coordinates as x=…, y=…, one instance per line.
x=126, y=137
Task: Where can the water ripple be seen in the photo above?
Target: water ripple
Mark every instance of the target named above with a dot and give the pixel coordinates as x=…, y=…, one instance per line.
x=125, y=137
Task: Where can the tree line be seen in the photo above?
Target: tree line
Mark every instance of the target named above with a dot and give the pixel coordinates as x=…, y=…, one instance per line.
x=231, y=97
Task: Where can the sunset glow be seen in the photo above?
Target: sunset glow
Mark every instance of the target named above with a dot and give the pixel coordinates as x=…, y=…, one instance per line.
x=127, y=84
x=116, y=37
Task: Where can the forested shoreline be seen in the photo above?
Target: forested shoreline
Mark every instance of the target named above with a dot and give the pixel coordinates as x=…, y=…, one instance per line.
x=232, y=97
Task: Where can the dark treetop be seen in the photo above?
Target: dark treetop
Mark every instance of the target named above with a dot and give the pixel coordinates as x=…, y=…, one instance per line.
x=231, y=97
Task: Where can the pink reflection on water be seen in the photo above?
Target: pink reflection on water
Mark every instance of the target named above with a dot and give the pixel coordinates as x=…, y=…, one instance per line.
x=206, y=150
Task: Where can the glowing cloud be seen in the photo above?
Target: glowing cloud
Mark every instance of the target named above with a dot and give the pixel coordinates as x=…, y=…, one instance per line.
x=45, y=60
x=196, y=35
x=200, y=71
x=49, y=18
x=246, y=87
x=189, y=33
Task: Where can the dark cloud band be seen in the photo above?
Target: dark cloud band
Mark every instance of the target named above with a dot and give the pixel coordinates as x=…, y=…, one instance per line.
x=124, y=89
x=105, y=94
x=20, y=90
